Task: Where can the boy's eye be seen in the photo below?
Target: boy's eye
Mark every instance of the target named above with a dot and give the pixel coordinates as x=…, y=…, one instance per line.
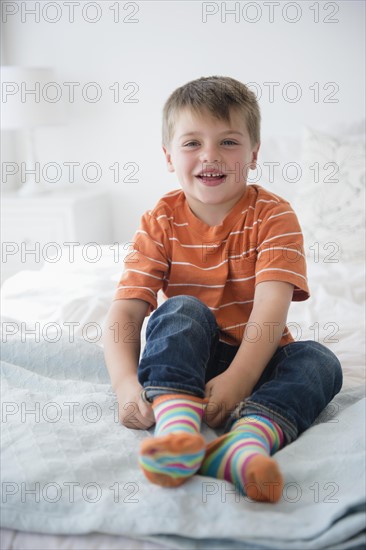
x=190, y=144
x=194, y=143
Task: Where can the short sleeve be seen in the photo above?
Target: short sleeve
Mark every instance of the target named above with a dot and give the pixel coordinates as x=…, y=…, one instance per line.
x=147, y=265
x=280, y=249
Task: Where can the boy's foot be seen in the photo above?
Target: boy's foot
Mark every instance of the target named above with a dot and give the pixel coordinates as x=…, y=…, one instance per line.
x=242, y=457
x=177, y=449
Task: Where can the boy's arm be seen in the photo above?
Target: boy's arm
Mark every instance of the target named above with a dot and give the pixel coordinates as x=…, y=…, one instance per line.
x=261, y=338
x=121, y=340
x=264, y=330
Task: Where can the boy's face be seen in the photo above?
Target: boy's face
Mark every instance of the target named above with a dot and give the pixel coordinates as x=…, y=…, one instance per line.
x=212, y=146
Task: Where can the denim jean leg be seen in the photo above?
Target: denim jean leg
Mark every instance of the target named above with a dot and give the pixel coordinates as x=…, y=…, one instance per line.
x=181, y=336
x=295, y=387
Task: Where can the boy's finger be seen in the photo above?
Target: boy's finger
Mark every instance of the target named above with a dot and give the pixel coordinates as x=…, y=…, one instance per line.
x=212, y=409
x=137, y=422
x=208, y=389
x=213, y=421
x=146, y=408
x=148, y=413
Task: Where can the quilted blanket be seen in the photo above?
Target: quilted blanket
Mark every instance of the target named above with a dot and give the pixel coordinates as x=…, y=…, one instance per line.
x=68, y=466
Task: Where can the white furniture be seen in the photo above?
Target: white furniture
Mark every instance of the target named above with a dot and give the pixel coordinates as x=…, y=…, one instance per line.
x=28, y=102
x=34, y=230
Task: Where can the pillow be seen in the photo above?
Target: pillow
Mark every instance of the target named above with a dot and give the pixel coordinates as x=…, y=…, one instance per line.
x=276, y=156
x=331, y=198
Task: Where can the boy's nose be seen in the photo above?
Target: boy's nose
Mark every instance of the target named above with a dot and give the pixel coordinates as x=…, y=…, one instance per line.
x=210, y=154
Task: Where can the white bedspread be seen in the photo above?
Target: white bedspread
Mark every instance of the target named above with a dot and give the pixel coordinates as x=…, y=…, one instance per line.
x=81, y=464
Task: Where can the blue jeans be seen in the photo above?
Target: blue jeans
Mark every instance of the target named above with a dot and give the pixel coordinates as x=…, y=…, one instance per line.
x=183, y=353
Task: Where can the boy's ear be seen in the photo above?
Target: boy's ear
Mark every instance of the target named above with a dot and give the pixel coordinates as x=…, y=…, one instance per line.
x=253, y=164
x=168, y=159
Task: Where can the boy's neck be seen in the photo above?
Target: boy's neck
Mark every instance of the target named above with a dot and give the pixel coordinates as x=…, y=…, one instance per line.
x=212, y=214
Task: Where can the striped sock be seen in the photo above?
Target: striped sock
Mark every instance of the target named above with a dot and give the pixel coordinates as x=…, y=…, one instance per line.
x=177, y=449
x=242, y=456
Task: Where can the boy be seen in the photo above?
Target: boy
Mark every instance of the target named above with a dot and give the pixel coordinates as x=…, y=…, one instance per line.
x=229, y=258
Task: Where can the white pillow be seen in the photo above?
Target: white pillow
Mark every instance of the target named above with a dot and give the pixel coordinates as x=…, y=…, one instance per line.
x=277, y=160
x=330, y=201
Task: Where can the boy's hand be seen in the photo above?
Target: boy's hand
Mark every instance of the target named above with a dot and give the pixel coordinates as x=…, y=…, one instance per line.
x=133, y=412
x=224, y=392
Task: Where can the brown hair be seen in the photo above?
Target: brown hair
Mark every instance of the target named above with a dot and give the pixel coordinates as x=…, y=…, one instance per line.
x=218, y=95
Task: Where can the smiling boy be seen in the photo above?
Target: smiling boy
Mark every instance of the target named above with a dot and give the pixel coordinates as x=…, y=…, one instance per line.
x=229, y=259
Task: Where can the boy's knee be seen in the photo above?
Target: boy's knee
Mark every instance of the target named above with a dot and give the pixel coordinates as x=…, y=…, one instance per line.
x=188, y=306
x=337, y=372
x=186, y=303
x=330, y=363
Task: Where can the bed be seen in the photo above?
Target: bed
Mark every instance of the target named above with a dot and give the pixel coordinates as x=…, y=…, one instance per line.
x=69, y=473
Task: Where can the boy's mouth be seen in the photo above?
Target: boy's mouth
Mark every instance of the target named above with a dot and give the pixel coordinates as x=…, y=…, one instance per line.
x=211, y=178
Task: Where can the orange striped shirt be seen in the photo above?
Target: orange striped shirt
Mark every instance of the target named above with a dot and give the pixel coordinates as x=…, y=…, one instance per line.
x=260, y=239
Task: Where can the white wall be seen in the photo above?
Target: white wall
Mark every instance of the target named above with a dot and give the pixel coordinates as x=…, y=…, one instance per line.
x=168, y=45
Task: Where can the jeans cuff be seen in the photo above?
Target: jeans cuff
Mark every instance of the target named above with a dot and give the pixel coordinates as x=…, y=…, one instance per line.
x=251, y=407
x=149, y=392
